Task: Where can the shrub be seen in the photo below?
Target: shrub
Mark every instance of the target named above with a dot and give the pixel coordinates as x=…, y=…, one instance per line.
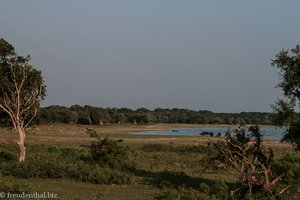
x=108, y=151
x=120, y=178
x=6, y=156
x=177, y=149
x=8, y=152
x=169, y=179
x=157, y=147
x=289, y=168
x=194, y=149
x=220, y=189
x=204, y=187
x=63, y=162
x=9, y=184
x=181, y=193
x=163, y=184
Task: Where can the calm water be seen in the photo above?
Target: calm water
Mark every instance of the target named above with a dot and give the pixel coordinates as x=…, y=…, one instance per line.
x=269, y=132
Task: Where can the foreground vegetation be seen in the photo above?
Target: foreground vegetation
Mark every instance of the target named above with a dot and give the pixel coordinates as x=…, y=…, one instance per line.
x=106, y=168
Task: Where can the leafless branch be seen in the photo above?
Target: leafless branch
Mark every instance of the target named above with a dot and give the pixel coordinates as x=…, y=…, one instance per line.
x=283, y=190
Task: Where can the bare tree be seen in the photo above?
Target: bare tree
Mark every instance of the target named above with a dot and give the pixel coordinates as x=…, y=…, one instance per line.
x=22, y=89
x=248, y=160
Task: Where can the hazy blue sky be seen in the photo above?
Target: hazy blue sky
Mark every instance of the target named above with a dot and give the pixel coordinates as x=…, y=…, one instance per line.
x=195, y=54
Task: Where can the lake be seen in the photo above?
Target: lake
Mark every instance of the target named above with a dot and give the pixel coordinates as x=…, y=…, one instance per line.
x=269, y=132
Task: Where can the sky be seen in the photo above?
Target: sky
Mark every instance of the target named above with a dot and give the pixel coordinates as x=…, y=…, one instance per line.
x=194, y=54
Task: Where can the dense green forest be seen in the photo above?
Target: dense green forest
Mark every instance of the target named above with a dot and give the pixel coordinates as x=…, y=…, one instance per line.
x=96, y=115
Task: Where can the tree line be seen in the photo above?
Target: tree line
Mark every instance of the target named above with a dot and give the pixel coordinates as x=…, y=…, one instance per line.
x=91, y=115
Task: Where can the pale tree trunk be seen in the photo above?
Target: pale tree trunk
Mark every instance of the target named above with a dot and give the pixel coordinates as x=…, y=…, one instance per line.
x=21, y=143
x=21, y=95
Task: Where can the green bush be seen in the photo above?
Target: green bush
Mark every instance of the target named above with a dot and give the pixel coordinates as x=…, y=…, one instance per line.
x=220, y=189
x=157, y=147
x=194, y=149
x=63, y=162
x=177, y=149
x=173, y=179
x=164, y=184
x=99, y=175
x=9, y=184
x=204, y=187
x=108, y=152
x=120, y=178
x=289, y=168
x=181, y=193
x=8, y=152
x=7, y=156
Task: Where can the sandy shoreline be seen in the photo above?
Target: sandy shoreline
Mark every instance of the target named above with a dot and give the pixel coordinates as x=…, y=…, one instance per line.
x=75, y=134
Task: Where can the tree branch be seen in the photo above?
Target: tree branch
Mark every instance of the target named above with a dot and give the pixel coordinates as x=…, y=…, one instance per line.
x=283, y=190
